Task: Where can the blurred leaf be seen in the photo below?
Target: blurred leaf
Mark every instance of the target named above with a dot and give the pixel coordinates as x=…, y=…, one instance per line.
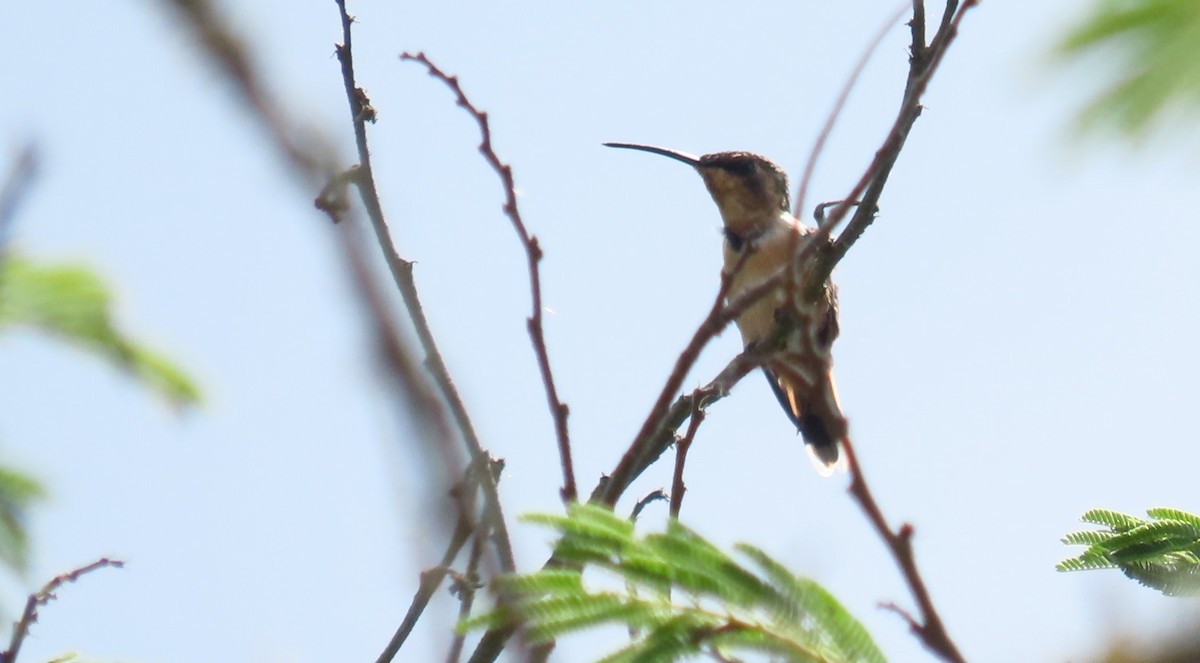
x=17, y=494
x=682, y=597
x=73, y=303
x=1156, y=48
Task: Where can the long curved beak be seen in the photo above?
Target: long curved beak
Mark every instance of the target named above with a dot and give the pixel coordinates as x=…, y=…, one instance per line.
x=689, y=159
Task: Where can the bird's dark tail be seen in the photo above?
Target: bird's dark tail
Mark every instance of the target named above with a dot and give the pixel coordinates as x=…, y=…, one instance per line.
x=817, y=416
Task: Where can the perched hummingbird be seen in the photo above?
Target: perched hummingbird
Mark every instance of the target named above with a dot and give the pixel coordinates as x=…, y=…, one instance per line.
x=761, y=236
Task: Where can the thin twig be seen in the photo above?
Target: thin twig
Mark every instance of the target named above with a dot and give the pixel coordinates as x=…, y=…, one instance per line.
x=533, y=255
x=917, y=25
x=923, y=63
x=402, y=275
x=836, y=111
x=44, y=596
x=465, y=587
x=653, y=496
x=228, y=52
x=681, y=451
x=431, y=579
x=930, y=629
x=12, y=193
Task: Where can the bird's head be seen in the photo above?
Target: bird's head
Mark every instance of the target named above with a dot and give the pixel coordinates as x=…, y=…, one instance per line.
x=749, y=189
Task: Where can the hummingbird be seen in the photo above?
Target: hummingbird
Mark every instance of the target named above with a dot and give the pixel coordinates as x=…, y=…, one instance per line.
x=761, y=238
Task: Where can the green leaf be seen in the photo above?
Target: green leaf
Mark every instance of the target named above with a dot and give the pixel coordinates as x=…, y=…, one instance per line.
x=1087, y=537
x=1154, y=50
x=704, y=600
x=17, y=493
x=1162, y=553
x=847, y=634
x=74, y=304
x=1117, y=521
x=1165, y=513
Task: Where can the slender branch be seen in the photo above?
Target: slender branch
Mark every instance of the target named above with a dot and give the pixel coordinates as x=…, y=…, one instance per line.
x=917, y=26
x=533, y=254
x=464, y=587
x=227, y=51
x=681, y=451
x=836, y=111
x=929, y=629
x=12, y=193
x=644, y=453
x=44, y=596
x=430, y=581
x=631, y=462
x=402, y=275
x=922, y=65
x=650, y=498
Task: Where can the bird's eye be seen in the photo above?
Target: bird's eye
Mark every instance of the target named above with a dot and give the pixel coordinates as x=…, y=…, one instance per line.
x=735, y=241
x=742, y=167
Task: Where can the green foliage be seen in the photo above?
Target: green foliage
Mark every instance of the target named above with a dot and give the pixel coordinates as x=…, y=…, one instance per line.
x=1162, y=553
x=1156, y=47
x=17, y=494
x=73, y=303
x=682, y=597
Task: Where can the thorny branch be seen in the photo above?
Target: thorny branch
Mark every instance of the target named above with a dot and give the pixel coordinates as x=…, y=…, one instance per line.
x=533, y=254
x=44, y=596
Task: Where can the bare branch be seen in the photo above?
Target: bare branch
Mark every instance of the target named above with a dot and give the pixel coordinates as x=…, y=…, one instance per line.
x=533, y=254
x=44, y=596
x=681, y=451
x=226, y=50
x=930, y=629
x=650, y=498
x=16, y=185
x=838, y=105
x=922, y=65
x=430, y=581
x=402, y=275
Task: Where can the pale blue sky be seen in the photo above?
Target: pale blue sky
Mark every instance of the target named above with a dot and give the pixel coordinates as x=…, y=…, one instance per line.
x=1018, y=326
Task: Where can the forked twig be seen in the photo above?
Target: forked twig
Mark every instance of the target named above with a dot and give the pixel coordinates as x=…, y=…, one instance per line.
x=682, y=447
x=836, y=111
x=929, y=629
x=533, y=255
x=402, y=275
x=44, y=596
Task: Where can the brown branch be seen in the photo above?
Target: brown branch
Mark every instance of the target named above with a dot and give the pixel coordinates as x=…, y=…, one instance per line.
x=929, y=629
x=681, y=451
x=533, y=254
x=922, y=65
x=402, y=275
x=836, y=111
x=632, y=462
x=430, y=581
x=465, y=586
x=44, y=596
x=226, y=50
